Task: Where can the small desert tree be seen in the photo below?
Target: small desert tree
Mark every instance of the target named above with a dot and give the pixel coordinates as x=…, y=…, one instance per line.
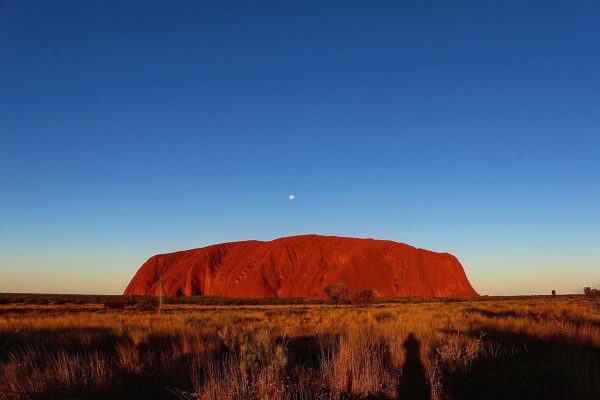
x=591, y=292
x=337, y=292
x=592, y=297
x=363, y=297
x=554, y=293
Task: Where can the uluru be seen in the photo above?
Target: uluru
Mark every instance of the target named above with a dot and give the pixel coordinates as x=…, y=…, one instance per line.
x=302, y=266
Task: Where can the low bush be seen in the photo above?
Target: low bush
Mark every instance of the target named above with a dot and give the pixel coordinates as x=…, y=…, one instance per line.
x=286, y=312
x=363, y=297
x=117, y=304
x=591, y=292
x=147, y=304
x=384, y=316
x=195, y=322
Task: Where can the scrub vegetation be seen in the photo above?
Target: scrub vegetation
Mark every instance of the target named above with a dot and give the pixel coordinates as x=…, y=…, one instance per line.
x=111, y=347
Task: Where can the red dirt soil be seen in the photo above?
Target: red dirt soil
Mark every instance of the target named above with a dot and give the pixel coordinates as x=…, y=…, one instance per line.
x=302, y=266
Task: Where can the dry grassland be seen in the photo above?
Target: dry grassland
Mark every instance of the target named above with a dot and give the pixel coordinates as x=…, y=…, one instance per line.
x=527, y=348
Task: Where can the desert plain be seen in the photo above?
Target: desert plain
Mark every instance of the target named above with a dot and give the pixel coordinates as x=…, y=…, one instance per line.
x=132, y=347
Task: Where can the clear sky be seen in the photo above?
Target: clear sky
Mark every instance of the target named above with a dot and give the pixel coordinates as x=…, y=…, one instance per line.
x=134, y=128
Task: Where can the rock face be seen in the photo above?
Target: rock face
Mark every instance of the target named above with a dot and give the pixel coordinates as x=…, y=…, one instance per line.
x=302, y=266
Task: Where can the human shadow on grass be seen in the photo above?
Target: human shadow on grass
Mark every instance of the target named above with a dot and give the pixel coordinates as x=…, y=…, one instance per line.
x=413, y=383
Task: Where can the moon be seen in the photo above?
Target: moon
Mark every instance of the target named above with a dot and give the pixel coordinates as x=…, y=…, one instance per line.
x=291, y=197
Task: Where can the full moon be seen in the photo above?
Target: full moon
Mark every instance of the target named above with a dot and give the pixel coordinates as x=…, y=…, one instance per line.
x=291, y=197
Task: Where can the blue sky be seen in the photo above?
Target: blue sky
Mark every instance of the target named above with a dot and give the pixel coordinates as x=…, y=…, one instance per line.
x=134, y=128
